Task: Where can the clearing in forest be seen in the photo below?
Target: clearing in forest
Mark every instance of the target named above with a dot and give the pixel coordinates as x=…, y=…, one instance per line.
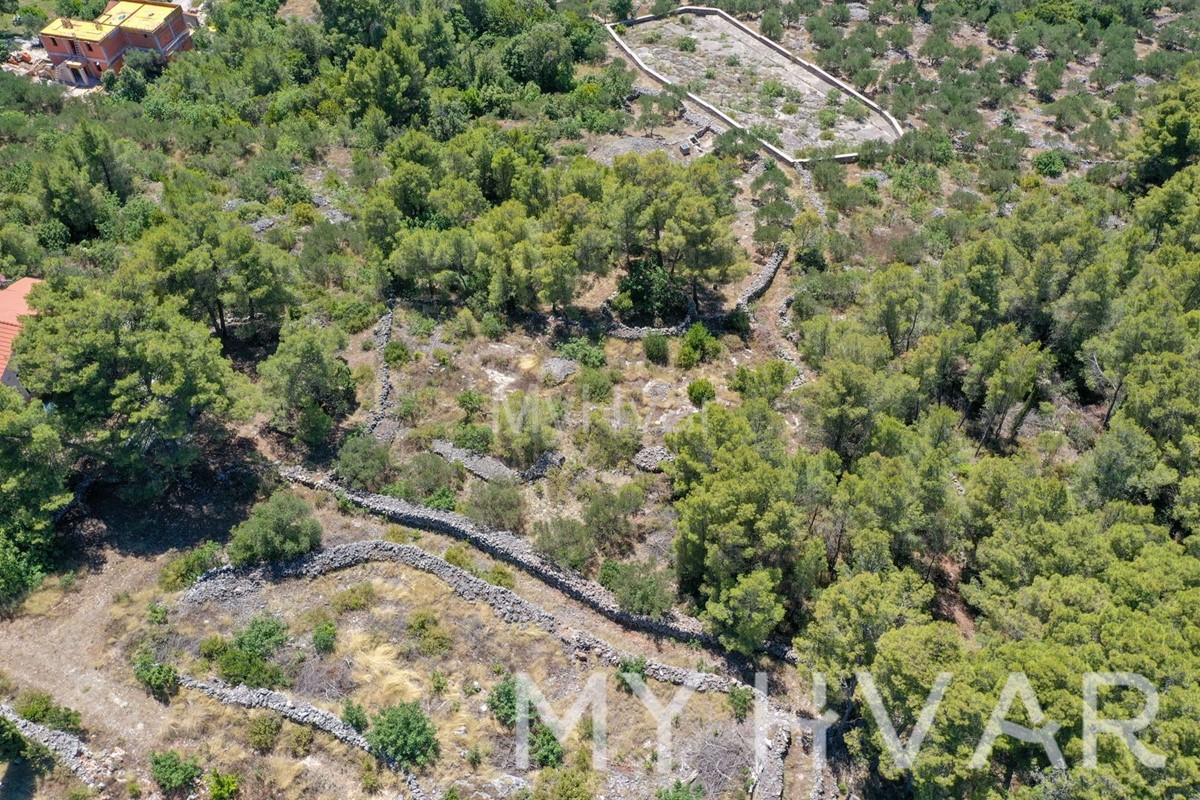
x=762, y=90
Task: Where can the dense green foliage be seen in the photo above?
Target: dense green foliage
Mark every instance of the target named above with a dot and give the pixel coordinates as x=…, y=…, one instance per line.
x=282, y=527
x=405, y=735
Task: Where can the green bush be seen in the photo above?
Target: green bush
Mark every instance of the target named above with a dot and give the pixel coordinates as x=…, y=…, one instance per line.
x=364, y=463
x=431, y=637
x=585, y=352
x=160, y=680
x=500, y=575
x=354, y=598
x=608, y=515
x=444, y=499
x=767, y=382
x=404, y=734
x=223, y=786
x=1049, y=163
x=639, y=588
x=172, y=772
x=39, y=707
x=324, y=637
x=741, y=700
x=698, y=347
x=594, y=385
x=628, y=668
x=701, y=391
x=183, y=570
x=246, y=660
x=502, y=701
x=567, y=542
x=497, y=503
x=354, y=715
x=283, y=527
x=544, y=748
x=608, y=445
x=472, y=402
x=525, y=428
x=658, y=349
x=680, y=791
x=492, y=326
x=262, y=732
x=477, y=438
x=396, y=353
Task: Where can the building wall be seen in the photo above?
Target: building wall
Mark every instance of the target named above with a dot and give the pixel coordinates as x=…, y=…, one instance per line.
x=97, y=57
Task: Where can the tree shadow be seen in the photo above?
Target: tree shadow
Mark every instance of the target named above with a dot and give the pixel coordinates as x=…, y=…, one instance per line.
x=18, y=780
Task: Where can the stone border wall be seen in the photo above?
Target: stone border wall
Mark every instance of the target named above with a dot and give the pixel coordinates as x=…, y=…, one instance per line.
x=516, y=551
x=821, y=74
x=228, y=583
x=299, y=712
x=68, y=749
x=382, y=335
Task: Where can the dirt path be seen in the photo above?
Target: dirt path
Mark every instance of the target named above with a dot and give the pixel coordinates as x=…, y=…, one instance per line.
x=63, y=646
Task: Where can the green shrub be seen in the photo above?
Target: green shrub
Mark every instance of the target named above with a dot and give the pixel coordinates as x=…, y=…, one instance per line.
x=628, y=668
x=160, y=680
x=609, y=445
x=183, y=570
x=156, y=614
x=594, y=385
x=172, y=772
x=567, y=542
x=768, y=382
x=438, y=681
x=354, y=715
x=324, y=637
x=262, y=636
x=212, y=647
x=354, y=598
x=680, y=791
x=472, y=402
x=492, y=326
x=500, y=575
x=639, y=588
x=544, y=748
x=686, y=44
x=262, y=732
x=444, y=499
x=585, y=352
x=396, y=353
x=39, y=707
x=283, y=527
x=608, y=515
x=299, y=741
x=364, y=463
x=525, y=428
x=477, y=438
x=741, y=700
x=223, y=785
x=497, y=503
x=701, y=391
x=502, y=701
x=431, y=637
x=658, y=349
x=404, y=734
x=698, y=347
x=1049, y=163
x=238, y=666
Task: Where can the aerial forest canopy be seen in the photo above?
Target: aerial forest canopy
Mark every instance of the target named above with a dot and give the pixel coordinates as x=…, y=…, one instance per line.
x=981, y=454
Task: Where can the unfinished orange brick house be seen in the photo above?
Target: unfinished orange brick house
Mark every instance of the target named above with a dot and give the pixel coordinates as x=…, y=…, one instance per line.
x=81, y=51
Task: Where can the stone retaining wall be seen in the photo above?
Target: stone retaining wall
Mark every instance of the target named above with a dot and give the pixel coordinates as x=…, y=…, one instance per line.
x=298, y=712
x=382, y=335
x=67, y=749
x=228, y=583
x=514, y=550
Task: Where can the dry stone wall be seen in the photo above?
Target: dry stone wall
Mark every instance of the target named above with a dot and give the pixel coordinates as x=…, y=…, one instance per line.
x=69, y=750
x=228, y=583
x=298, y=712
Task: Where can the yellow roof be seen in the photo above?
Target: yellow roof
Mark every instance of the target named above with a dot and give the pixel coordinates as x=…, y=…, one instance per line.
x=74, y=29
x=136, y=16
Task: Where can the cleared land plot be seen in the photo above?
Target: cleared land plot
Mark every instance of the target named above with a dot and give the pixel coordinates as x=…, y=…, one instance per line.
x=756, y=86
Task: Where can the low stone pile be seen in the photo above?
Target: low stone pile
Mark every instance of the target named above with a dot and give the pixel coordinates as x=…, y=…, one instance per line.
x=484, y=467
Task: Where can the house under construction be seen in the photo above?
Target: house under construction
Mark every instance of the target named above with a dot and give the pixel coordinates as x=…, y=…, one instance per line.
x=80, y=51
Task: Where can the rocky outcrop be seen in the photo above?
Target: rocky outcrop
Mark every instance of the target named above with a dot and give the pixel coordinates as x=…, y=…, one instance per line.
x=67, y=749
x=651, y=459
x=299, y=712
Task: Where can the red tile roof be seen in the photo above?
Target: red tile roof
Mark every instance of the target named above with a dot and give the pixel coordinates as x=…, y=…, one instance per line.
x=13, y=305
